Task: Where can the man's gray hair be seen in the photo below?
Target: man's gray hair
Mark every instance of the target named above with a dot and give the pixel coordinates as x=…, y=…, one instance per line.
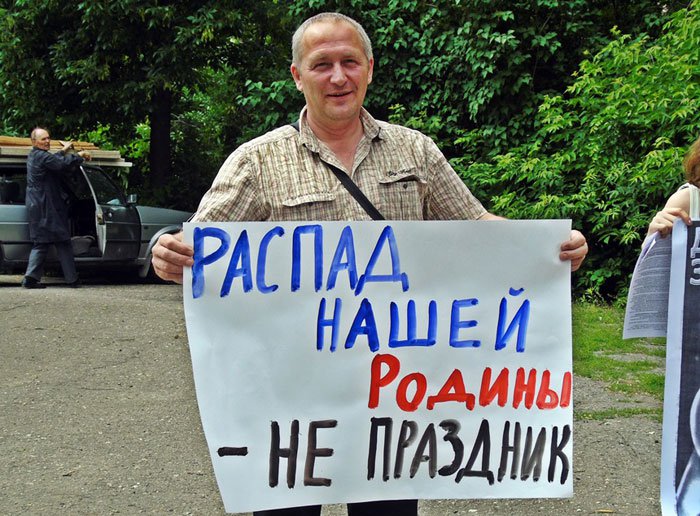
x=325, y=17
x=32, y=136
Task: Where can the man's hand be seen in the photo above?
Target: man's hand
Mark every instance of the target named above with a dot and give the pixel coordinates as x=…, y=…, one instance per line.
x=85, y=155
x=663, y=221
x=66, y=146
x=170, y=256
x=575, y=249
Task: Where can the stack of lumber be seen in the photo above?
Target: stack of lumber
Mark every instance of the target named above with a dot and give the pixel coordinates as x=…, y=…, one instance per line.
x=15, y=150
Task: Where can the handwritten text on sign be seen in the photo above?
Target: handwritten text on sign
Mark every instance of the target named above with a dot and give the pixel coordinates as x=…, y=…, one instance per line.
x=341, y=362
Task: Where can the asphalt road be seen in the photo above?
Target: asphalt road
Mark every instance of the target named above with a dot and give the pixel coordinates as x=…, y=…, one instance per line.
x=98, y=415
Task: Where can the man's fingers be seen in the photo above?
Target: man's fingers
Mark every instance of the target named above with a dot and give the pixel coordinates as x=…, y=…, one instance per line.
x=166, y=271
x=175, y=256
x=170, y=256
x=575, y=249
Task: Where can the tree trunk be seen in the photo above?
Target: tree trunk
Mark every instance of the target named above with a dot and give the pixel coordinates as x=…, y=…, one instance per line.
x=159, y=157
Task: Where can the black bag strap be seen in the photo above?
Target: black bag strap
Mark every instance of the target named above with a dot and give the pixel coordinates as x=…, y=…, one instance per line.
x=351, y=187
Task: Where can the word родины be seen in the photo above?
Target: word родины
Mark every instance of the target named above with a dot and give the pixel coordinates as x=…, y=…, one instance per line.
x=531, y=389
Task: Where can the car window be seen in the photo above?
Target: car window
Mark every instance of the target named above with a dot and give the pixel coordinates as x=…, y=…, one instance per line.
x=105, y=190
x=12, y=188
x=74, y=182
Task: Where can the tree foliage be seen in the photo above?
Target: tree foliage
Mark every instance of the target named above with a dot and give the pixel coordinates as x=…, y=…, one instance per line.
x=475, y=69
x=118, y=62
x=607, y=152
x=548, y=108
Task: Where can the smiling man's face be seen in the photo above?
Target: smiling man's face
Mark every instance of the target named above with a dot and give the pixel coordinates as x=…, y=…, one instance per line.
x=333, y=74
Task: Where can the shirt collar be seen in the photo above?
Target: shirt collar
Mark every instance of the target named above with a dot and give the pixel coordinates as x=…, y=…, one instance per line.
x=370, y=126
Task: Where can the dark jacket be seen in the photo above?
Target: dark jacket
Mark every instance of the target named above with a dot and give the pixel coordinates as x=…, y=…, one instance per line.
x=46, y=208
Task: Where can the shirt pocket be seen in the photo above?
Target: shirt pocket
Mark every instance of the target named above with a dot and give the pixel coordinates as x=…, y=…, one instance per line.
x=311, y=206
x=401, y=195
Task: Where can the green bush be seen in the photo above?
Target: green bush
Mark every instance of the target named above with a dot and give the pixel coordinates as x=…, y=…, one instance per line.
x=608, y=152
x=478, y=67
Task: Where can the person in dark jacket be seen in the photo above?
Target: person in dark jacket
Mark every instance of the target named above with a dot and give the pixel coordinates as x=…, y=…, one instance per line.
x=46, y=208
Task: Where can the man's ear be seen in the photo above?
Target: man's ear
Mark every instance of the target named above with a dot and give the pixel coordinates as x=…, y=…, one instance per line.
x=296, y=76
x=371, y=69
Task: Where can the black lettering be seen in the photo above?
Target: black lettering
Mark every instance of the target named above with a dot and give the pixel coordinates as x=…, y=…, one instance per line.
x=408, y=433
x=481, y=444
x=228, y=451
x=532, y=457
x=452, y=427
x=312, y=452
x=507, y=449
x=429, y=440
x=387, y=423
x=556, y=452
x=288, y=453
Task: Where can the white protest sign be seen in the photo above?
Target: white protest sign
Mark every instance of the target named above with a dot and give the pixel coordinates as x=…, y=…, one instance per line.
x=353, y=361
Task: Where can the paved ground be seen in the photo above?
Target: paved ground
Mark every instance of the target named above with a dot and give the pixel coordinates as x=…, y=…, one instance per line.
x=98, y=416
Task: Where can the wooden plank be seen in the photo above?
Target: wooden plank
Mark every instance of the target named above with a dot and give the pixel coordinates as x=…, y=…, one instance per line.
x=18, y=160
x=14, y=150
x=24, y=151
x=16, y=141
x=13, y=140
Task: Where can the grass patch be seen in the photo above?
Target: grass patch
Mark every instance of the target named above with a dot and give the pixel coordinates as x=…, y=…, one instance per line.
x=602, y=415
x=629, y=366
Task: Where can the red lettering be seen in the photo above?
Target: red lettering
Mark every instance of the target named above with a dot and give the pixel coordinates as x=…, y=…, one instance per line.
x=546, y=397
x=565, y=397
x=377, y=380
x=453, y=390
x=530, y=387
x=498, y=388
x=402, y=392
x=526, y=388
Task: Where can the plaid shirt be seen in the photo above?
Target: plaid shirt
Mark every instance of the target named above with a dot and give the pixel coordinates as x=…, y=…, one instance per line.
x=282, y=176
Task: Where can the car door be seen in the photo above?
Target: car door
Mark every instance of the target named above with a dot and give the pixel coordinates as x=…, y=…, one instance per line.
x=117, y=222
x=15, y=244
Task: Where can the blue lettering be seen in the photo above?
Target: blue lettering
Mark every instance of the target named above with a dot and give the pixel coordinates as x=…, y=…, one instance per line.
x=364, y=324
x=457, y=324
x=346, y=246
x=241, y=253
x=200, y=260
x=322, y=322
x=317, y=231
x=262, y=260
x=396, y=275
x=520, y=319
x=411, y=339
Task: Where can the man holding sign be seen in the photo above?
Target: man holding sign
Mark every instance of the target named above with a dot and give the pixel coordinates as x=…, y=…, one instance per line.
x=285, y=175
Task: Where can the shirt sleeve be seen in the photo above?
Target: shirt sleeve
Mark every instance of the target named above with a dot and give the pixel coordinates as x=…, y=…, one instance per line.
x=234, y=195
x=448, y=197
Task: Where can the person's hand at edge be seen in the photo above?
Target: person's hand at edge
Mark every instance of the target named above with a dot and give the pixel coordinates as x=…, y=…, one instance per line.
x=575, y=249
x=663, y=220
x=170, y=256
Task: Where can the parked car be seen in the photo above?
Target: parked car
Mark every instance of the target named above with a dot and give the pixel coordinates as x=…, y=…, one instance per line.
x=109, y=229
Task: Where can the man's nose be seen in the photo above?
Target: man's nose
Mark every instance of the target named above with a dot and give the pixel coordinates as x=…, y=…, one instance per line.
x=338, y=76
